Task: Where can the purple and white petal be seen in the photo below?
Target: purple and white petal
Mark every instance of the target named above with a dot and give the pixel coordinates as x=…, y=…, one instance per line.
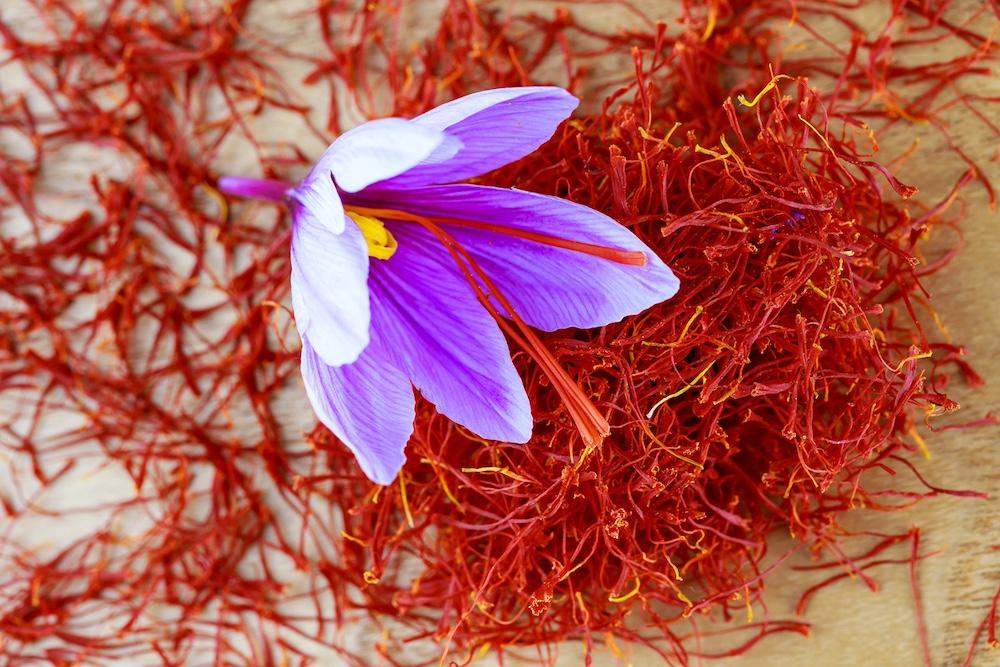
x=371, y=152
x=551, y=288
x=496, y=127
x=442, y=337
x=380, y=149
x=318, y=193
x=330, y=287
x=368, y=404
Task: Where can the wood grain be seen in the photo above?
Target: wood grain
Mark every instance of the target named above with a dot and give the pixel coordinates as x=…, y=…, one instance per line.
x=851, y=625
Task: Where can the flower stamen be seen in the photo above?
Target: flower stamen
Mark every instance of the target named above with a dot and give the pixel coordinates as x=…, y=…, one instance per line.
x=381, y=243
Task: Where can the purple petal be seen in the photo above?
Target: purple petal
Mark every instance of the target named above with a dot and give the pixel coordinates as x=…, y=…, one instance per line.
x=330, y=287
x=550, y=288
x=495, y=127
x=450, y=347
x=367, y=404
x=254, y=188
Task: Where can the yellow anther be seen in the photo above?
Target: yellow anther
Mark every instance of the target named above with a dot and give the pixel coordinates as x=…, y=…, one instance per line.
x=381, y=242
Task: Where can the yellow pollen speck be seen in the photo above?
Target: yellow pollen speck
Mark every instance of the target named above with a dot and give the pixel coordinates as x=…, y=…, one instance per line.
x=381, y=243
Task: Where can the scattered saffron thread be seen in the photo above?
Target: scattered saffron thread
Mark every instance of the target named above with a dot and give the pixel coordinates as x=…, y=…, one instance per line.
x=153, y=315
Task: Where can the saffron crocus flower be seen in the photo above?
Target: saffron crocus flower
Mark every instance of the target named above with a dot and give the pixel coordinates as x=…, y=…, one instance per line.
x=403, y=278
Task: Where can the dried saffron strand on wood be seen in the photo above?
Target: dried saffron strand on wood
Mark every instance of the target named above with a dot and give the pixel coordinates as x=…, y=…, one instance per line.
x=557, y=541
x=887, y=239
x=989, y=626
x=130, y=422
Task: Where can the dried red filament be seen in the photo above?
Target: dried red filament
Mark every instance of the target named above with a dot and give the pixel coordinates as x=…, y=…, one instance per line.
x=148, y=325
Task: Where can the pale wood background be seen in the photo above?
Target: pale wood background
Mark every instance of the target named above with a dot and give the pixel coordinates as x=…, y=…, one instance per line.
x=851, y=625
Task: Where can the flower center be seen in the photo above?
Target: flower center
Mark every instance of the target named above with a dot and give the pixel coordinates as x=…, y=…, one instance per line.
x=381, y=243
x=591, y=423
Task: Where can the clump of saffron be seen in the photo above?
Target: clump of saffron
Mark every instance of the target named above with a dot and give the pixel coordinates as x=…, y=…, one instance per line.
x=147, y=340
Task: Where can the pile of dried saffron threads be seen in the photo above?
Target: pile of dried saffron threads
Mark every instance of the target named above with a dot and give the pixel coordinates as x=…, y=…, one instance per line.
x=163, y=498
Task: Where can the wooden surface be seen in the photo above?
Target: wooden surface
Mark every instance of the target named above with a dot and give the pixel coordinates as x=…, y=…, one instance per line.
x=851, y=625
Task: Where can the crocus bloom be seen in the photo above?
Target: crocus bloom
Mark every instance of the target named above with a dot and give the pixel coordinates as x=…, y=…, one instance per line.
x=402, y=278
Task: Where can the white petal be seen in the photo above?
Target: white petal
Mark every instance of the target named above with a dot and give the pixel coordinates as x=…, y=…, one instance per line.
x=367, y=404
x=330, y=288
